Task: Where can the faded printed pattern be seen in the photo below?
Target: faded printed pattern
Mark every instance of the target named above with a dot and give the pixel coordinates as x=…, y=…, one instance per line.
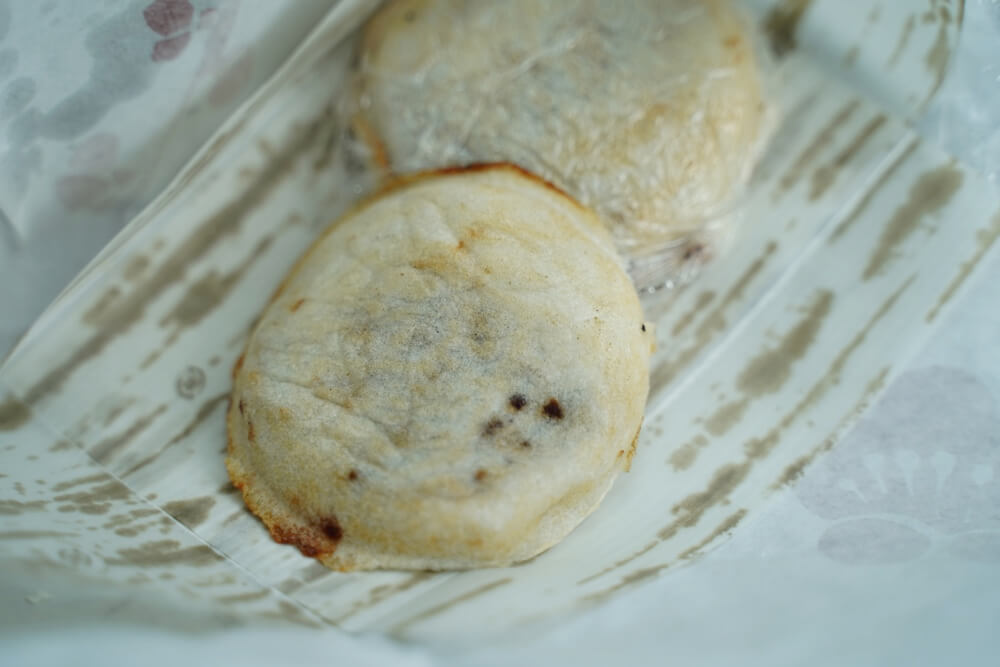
x=101, y=103
x=929, y=479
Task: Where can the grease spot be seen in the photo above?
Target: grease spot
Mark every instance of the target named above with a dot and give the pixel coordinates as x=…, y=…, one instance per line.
x=904, y=39
x=685, y=320
x=95, y=315
x=104, y=450
x=89, y=479
x=820, y=141
x=685, y=455
x=205, y=294
x=932, y=192
x=226, y=222
x=135, y=267
x=986, y=238
x=768, y=371
x=781, y=24
x=96, y=500
x=713, y=323
x=17, y=507
x=938, y=57
x=191, y=513
x=448, y=604
x=690, y=510
x=824, y=177
x=873, y=190
x=13, y=414
x=162, y=553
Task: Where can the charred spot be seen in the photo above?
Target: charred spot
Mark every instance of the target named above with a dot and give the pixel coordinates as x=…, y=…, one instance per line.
x=552, y=409
x=480, y=475
x=353, y=475
x=643, y=327
x=250, y=433
x=237, y=366
x=306, y=548
x=525, y=444
x=517, y=401
x=492, y=426
x=242, y=406
x=331, y=528
x=305, y=541
x=461, y=245
x=298, y=304
x=693, y=251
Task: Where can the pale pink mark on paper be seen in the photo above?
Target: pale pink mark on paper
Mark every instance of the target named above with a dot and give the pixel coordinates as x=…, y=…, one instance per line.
x=167, y=18
x=168, y=49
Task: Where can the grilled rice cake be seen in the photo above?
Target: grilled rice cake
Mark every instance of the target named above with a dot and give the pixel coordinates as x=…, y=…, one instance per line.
x=652, y=112
x=451, y=377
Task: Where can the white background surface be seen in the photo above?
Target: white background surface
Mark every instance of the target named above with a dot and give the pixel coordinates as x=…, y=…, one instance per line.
x=896, y=562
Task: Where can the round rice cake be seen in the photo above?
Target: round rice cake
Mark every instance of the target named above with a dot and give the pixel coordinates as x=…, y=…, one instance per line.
x=652, y=112
x=451, y=377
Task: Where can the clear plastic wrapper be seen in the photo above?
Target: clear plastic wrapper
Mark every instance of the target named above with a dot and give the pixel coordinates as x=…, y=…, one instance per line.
x=653, y=113
x=859, y=235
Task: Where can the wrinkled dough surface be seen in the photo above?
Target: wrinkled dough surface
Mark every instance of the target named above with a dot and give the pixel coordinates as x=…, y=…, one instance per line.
x=451, y=377
x=652, y=112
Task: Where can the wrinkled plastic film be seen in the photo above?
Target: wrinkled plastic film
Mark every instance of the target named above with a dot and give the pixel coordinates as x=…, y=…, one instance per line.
x=653, y=117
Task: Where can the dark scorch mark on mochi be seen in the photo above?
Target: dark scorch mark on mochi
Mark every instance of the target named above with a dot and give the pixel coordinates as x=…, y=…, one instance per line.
x=492, y=426
x=331, y=528
x=552, y=409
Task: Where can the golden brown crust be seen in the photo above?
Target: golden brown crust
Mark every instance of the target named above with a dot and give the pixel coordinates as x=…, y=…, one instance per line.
x=483, y=448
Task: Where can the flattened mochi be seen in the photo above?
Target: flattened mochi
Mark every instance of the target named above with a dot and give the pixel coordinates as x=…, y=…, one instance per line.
x=451, y=377
x=651, y=112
